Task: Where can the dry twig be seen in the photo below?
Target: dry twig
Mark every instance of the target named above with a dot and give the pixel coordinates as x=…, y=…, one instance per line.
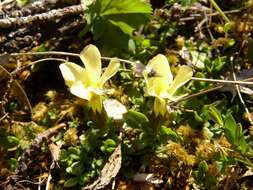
x=52, y=15
x=42, y=137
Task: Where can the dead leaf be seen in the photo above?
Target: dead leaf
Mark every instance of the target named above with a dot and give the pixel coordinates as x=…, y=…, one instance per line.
x=145, y=177
x=109, y=171
x=55, y=154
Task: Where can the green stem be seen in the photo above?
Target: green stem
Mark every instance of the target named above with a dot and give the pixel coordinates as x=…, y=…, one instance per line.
x=219, y=10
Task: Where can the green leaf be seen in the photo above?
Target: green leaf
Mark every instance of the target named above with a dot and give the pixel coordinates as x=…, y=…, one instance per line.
x=216, y=115
x=108, y=146
x=228, y=26
x=135, y=119
x=110, y=19
x=230, y=129
x=13, y=162
x=240, y=140
x=167, y=133
x=234, y=134
x=74, y=150
x=202, y=171
x=22, y=2
x=75, y=169
x=13, y=140
x=188, y=2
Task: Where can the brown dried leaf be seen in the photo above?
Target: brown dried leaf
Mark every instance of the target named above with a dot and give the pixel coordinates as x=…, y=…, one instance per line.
x=109, y=171
x=147, y=177
x=55, y=154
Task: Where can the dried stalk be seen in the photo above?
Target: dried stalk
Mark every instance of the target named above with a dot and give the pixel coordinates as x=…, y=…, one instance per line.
x=35, y=8
x=52, y=15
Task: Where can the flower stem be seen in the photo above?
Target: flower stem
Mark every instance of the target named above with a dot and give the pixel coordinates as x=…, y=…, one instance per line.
x=219, y=10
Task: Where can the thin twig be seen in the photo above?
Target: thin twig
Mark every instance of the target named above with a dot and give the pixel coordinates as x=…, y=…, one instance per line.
x=35, y=62
x=33, y=8
x=223, y=81
x=242, y=101
x=196, y=94
x=65, y=54
x=3, y=117
x=209, y=15
x=204, y=92
x=28, y=181
x=129, y=62
x=40, y=138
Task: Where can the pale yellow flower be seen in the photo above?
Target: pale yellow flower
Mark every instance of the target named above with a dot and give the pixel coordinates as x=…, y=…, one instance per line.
x=87, y=83
x=160, y=83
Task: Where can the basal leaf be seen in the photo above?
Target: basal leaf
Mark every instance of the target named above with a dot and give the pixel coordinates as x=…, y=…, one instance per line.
x=230, y=129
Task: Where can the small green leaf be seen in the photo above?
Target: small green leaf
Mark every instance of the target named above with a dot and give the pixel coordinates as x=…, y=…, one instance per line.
x=135, y=119
x=13, y=140
x=75, y=169
x=188, y=2
x=109, y=142
x=197, y=117
x=13, y=162
x=167, y=133
x=230, y=129
x=22, y=2
x=228, y=26
x=74, y=150
x=108, y=146
x=241, y=142
x=202, y=171
x=216, y=115
x=234, y=134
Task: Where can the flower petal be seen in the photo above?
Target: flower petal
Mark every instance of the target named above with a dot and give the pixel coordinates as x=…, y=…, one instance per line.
x=183, y=76
x=114, y=109
x=157, y=75
x=110, y=71
x=73, y=73
x=91, y=58
x=161, y=68
x=80, y=91
x=155, y=86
